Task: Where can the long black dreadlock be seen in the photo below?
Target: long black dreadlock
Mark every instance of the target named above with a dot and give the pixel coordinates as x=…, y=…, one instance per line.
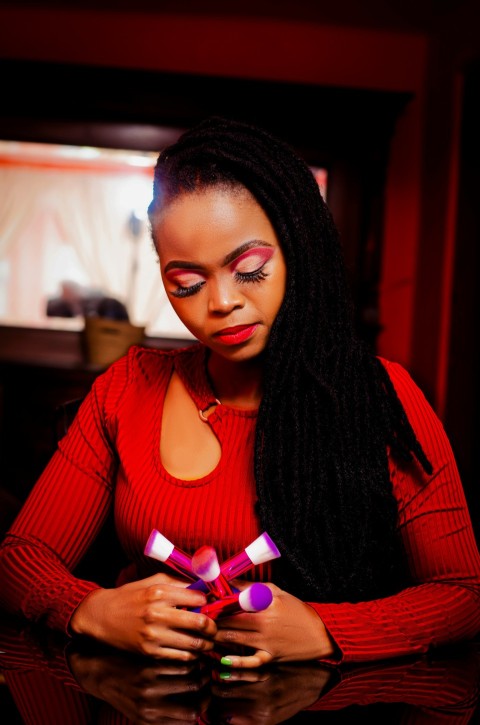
x=329, y=411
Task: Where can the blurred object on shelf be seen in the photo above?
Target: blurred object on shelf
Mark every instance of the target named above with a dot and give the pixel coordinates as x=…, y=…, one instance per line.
x=105, y=340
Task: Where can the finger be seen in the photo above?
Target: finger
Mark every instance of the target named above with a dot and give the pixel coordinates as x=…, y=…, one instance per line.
x=175, y=596
x=258, y=659
x=176, y=640
x=159, y=579
x=242, y=637
x=244, y=621
x=178, y=630
x=162, y=615
x=194, y=622
x=164, y=652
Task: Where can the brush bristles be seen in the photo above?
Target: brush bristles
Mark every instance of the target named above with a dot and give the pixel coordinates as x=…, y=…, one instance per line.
x=262, y=549
x=158, y=546
x=205, y=563
x=255, y=598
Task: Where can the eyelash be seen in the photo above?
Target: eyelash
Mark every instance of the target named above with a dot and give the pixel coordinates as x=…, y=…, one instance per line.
x=187, y=291
x=257, y=276
x=242, y=277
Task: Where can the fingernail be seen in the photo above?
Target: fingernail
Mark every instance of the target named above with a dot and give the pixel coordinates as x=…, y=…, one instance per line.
x=225, y=675
x=226, y=661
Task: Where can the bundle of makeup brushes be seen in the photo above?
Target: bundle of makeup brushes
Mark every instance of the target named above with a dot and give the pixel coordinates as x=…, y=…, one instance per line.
x=213, y=578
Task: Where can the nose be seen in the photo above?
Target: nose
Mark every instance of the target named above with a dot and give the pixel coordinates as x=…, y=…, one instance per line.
x=224, y=296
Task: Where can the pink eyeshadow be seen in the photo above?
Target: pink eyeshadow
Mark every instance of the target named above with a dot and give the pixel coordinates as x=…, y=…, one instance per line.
x=263, y=254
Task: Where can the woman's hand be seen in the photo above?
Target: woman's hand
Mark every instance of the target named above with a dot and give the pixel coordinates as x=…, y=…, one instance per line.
x=287, y=631
x=148, y=616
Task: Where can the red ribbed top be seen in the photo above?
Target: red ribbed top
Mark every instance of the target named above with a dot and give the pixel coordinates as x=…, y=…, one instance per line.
x=111, y=455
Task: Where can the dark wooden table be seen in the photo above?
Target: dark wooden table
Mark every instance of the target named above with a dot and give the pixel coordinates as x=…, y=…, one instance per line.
x=42, y=672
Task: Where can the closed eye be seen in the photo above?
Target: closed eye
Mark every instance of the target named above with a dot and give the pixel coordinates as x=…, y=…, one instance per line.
x=187, y=283
x=257, y=276
x=249, y=267
x=187, y=291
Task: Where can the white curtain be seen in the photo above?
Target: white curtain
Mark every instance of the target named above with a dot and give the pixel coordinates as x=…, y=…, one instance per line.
x=20, y=192
x=91, y=212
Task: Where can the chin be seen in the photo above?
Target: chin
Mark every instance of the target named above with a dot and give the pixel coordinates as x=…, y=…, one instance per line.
x=240, y=353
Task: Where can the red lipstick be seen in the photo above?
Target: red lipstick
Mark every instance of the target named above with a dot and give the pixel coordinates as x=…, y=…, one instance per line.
x=236, y=335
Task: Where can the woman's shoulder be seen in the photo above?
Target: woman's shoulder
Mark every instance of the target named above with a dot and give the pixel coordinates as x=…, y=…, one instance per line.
x=420, y=412
x=402, y=381
x=140, y=367
x=140, y=356
x=412, y=396
x=142, y=361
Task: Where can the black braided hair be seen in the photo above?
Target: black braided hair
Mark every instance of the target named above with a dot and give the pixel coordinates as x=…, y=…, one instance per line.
x=329, y=411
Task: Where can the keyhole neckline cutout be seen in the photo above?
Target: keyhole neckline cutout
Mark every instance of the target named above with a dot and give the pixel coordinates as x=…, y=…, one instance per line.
x=188, y=365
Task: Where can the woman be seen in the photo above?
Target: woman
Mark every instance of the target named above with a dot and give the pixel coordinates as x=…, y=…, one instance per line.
x=280, y=420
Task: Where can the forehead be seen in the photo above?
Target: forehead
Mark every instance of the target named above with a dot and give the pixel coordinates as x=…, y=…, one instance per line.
x=211, y=201
x=213, y=219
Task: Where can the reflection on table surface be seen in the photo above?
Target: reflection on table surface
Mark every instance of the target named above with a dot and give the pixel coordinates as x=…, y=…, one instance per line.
x=48, y=678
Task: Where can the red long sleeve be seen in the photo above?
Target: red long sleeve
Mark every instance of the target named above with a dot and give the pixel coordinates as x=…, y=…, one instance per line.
x=437, y=534
x=111, y=457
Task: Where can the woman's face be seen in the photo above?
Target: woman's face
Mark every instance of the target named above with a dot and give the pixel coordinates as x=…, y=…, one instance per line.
x=223, y=269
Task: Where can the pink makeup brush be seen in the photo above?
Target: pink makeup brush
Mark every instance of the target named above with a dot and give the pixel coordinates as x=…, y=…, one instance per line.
x=205, y=565
x=160, y=548
x=261, y=550
x=254, y=598
x=258, y=552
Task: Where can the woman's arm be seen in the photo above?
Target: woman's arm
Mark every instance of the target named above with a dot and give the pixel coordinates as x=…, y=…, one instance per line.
x=58, y=523
x=61, y=517
x=443, y=606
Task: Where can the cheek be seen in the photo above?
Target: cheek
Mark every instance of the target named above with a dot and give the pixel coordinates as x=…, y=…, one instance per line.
x=189, y=309
x=189, y=313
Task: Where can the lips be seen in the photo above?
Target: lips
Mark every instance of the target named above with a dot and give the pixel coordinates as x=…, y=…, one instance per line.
x=236, y=335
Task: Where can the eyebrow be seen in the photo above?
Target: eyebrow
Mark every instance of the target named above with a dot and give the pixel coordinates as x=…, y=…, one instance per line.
x=175, y=264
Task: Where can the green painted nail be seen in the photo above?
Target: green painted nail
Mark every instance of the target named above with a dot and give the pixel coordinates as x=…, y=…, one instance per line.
x=225, y=675
x=226, y=661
